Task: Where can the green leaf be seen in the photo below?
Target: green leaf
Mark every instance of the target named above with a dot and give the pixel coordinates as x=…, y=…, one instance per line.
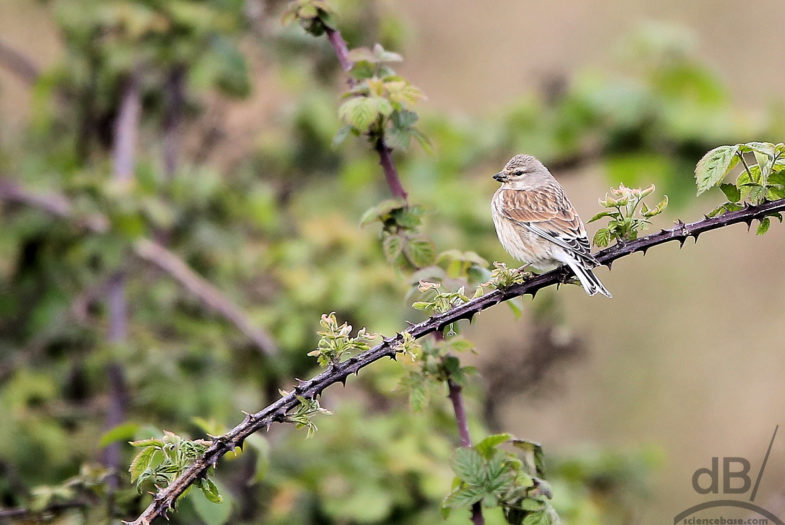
x=532, y=504
x=341, y=135
x=763, y=227
x=210, y=491
x=602, y=237
x=463, y=497
x=731, y=192
x=141, y=462
x=468, y=465
x=359, y=112
x=651, y=212
x=713, y=167
x=210, y=511
x=122, y=432
x=516, y=305
x=487, y=446
x=538, y=518
x=382, y=55
x=383, y=105
x=420, y=252
x=533, y=456
x=601, y=215
x=392, y=245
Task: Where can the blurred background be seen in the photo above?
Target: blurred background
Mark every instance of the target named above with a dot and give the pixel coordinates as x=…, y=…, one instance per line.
x=255, y=223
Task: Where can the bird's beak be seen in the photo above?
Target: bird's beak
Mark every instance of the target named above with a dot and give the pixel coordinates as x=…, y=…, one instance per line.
x=501, y=176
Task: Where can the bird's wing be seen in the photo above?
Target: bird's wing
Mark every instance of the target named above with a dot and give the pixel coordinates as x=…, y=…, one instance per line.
x=547, y=212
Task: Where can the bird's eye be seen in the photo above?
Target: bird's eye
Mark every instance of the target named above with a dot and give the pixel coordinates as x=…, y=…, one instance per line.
x=519, y=172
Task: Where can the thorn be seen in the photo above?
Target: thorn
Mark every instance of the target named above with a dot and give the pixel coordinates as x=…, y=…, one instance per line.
x=343, y=380
x=410, y=323
x=267, y=427
x=534, y=291
x=301, y=382
x=609, y=264
x=681, y=241
x=394, y=357
x=643, y=250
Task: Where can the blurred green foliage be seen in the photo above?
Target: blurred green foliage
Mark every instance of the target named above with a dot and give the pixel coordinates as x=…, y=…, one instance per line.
x=279, y=232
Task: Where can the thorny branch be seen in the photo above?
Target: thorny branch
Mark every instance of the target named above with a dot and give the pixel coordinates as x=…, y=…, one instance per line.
x=165, y=498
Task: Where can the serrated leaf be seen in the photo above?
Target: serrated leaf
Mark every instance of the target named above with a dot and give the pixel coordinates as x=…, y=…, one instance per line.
x=714, y=165
x=538, y=518
x=731, y=192
x=392, y=245
x=463, y=497
x=420, y=252
x=468, y=465
x=602, y=237
x=763, y=227
x=383, y=106
x=776, y=193
x=487, y=446
x=141, y=462
x=359, y=112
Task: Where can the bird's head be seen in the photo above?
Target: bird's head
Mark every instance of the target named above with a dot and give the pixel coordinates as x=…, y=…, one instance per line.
x=519, y=168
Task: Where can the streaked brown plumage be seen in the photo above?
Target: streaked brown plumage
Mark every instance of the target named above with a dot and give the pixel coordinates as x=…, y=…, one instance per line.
x=538, y=225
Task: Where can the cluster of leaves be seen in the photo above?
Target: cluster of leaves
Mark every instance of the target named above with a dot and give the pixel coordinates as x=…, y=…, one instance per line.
x=86, y=487
x=756, y=183
x=336, y=342
x=379, y=101
x=403, y=242
x=503, y=277
x=302, y=416
x=624, y=224
x=313, y=15
x=435, y=365
x=161, y=460
x=487, y=474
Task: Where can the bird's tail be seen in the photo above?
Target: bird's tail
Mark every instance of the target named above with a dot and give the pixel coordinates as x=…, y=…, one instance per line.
x=590, y=282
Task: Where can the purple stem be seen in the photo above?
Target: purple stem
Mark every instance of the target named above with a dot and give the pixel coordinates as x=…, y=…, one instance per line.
x=341, y=50
x=390, y=172
x=175, y=87
x=456, y=397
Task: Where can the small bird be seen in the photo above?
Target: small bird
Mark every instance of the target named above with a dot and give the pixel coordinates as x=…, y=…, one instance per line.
x=537, y=224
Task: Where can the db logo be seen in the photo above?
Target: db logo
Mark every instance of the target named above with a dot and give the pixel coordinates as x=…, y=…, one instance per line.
x=734, y=476
x=729, y=476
